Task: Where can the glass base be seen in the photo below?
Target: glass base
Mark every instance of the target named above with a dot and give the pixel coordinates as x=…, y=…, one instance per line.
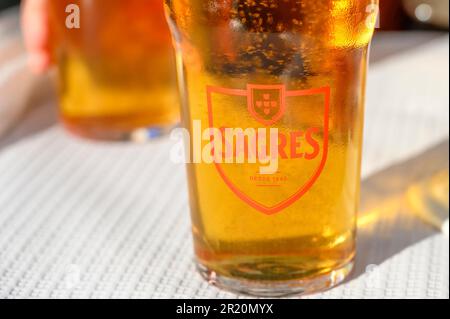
x=138, y=135
x=269, y=289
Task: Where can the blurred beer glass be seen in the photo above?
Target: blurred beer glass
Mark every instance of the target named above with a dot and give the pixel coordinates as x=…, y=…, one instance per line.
x=117, y=78
x=298, y=66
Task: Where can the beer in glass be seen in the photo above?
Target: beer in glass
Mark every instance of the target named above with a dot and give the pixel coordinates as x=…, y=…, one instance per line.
x=250, y=70
x=116, y=68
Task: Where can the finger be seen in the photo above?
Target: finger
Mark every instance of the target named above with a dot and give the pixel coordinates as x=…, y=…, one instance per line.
x=35, y=28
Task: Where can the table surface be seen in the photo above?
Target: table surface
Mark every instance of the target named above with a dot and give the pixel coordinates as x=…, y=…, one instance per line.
x=96, y=220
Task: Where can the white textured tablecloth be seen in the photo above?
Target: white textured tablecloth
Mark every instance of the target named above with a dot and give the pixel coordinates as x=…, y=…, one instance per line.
x=93, y=220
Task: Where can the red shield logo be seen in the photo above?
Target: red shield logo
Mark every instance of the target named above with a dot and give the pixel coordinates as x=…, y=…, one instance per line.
x=302, y=119
x=266, y=102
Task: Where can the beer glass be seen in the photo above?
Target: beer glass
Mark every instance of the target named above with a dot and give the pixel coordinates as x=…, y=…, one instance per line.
x=116, y=68
x=296, y=68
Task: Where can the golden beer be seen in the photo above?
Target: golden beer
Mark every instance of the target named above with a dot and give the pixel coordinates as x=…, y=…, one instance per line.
x=116, y=67
x=298, y=66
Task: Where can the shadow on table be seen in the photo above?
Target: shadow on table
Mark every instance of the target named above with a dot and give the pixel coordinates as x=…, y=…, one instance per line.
x=387, y=226
x=40, y=111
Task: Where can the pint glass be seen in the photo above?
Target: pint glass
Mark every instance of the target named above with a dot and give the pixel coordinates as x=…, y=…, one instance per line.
x=116, y=68
x=251, y=70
